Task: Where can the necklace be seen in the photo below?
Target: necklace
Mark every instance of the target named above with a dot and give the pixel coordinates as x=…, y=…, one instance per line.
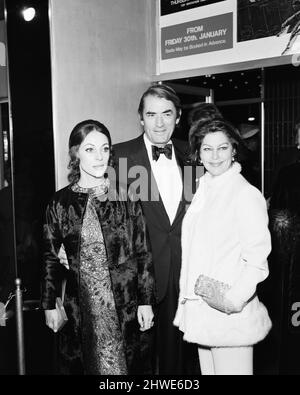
x=98, y=190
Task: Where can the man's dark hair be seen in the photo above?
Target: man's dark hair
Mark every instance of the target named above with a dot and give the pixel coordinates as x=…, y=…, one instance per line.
x=163, y=92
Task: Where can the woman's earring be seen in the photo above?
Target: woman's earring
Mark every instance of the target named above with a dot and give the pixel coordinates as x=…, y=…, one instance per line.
x=233, y=158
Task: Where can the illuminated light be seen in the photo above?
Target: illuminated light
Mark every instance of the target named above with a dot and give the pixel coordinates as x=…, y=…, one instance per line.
x=251, y=119
x=29, y=14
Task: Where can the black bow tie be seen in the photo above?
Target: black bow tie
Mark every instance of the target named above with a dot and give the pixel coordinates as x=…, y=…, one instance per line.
x=167, y=150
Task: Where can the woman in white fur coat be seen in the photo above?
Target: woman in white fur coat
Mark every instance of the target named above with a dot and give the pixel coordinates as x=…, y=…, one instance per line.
x=225, y=236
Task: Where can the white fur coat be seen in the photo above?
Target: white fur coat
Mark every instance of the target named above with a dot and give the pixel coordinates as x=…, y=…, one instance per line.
x=225, y=236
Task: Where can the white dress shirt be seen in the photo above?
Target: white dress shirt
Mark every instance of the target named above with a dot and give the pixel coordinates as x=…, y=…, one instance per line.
x=168, y=179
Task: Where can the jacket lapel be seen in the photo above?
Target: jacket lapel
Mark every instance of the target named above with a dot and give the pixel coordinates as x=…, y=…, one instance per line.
x=187, y=178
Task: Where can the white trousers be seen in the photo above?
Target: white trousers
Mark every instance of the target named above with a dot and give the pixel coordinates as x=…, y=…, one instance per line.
x=226, y=361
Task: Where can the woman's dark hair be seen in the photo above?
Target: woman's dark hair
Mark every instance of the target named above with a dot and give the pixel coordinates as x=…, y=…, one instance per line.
x=78, y=134
x=200, y=129
x=204, y=112
x=163, y=92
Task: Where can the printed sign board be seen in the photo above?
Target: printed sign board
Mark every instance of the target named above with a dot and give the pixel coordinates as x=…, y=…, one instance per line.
x=204, y=35
x=226, y=32
x=171, y=6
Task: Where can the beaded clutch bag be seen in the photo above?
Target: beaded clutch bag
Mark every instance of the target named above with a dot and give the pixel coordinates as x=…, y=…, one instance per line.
x=214, y=291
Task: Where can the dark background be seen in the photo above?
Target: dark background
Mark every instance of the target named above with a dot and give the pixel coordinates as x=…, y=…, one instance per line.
x=262, y=18
x=31, y=106
x=33, y=166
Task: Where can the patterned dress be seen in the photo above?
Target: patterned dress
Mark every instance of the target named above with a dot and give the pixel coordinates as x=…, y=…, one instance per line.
x=103, y=350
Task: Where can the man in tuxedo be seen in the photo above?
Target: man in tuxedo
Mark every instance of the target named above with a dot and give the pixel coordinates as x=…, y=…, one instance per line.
x=162, y=163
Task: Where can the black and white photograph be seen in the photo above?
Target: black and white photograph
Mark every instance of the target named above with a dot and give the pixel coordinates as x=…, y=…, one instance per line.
x=264, y=18
x=149, y=192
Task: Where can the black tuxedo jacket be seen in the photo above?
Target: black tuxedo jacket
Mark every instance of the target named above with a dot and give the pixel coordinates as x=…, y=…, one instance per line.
x=286, y=192
x=165, y=238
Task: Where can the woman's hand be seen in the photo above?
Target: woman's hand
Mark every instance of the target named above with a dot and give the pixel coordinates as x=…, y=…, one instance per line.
x=52, y=319
x=228, y=305
x=233, y=302
x=62, y=255
x=145, y=317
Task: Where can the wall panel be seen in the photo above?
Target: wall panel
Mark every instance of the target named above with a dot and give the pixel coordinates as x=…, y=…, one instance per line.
x=102, y=60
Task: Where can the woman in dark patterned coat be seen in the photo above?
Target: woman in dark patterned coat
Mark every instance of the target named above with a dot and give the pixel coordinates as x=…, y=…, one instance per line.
x=110, y=283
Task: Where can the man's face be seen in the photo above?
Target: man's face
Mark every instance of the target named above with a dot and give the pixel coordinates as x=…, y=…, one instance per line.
x=159, y=119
